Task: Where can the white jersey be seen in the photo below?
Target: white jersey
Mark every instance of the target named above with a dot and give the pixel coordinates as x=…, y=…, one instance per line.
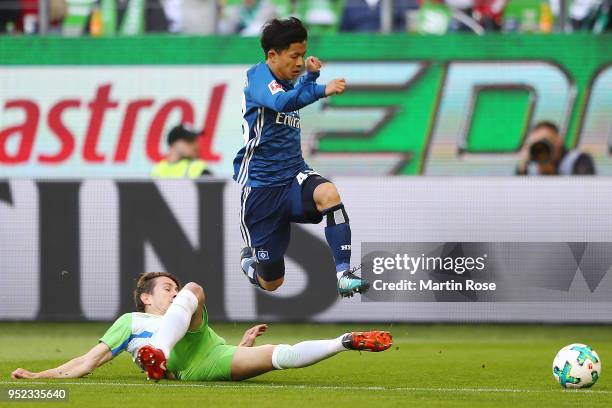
x=130, y=332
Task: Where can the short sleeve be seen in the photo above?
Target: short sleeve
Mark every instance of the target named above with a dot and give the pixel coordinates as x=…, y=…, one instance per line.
x=118, y=335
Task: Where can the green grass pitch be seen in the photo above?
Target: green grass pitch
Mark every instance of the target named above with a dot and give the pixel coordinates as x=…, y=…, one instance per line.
x=428, y=366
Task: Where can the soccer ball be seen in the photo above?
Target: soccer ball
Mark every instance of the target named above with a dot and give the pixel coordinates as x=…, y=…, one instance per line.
x=577, y=366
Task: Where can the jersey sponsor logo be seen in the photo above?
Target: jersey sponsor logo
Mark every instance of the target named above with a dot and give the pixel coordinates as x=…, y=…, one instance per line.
x=287, y=120
x=275, y=87
x=98, y=121
x=345, y=247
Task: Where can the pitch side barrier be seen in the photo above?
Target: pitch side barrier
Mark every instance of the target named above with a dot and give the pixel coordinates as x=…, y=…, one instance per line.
x=494, y=249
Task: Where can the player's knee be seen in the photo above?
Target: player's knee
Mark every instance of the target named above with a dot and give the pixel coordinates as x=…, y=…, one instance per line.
x=196, y=290
x=271, y=286
x=284, y=356
x=271, y=274
x=326, y=195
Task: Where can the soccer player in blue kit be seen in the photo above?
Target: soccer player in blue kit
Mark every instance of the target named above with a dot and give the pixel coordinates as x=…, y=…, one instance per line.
x=278, y=187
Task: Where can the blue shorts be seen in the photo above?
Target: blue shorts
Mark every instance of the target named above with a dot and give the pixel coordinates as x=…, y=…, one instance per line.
x=266, y=214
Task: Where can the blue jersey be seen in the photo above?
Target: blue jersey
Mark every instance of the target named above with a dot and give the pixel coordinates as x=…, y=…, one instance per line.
x=272, y=154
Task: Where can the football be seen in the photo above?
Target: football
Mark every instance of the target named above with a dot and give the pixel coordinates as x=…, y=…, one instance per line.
x=576, y=366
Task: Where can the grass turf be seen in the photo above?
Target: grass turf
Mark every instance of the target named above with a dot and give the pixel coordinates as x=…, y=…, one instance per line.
x=428, y=366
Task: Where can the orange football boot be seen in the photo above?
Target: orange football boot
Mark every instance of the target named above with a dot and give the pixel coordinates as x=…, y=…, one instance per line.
x=371, y=341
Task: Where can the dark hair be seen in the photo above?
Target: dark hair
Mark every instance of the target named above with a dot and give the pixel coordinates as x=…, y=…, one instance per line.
x=146, y=283
x=278, y=34
x=547, y=125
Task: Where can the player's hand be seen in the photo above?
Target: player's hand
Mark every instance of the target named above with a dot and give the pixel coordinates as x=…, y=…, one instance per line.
x=313, y=64
x=248, y=340
x=23, y=373
x=335, y=87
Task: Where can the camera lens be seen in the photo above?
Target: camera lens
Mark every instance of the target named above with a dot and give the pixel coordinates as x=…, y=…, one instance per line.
x=541, y=151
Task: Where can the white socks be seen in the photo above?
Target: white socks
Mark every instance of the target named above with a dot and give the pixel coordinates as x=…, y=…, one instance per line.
x=305, y=353
x=175, y=322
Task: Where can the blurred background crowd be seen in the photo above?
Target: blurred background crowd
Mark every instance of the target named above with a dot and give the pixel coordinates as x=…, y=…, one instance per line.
x=246, y=17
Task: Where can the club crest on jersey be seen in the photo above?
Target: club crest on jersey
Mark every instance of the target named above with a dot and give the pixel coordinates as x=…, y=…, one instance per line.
x=263, y=255
x=275, y=87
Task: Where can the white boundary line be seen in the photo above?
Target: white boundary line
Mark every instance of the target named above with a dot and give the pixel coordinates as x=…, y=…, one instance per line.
x=305, y=387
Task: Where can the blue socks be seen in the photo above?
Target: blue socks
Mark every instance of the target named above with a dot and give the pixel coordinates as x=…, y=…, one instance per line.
x=338, y=235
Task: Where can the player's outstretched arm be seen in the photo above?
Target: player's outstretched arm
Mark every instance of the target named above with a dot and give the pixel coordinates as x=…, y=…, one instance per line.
x=77, y=367
x=288, y=101
x=295, y=99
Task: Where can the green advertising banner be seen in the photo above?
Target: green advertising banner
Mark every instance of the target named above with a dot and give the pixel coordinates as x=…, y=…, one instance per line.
x=447, y=105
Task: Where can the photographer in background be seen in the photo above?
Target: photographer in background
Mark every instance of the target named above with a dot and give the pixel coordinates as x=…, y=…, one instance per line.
x=544, y=154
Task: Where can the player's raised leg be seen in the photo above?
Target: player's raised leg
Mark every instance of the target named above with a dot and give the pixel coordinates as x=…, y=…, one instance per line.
x=249, y=362
x=338, y=235
x=265, y=229
x=185, y=313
